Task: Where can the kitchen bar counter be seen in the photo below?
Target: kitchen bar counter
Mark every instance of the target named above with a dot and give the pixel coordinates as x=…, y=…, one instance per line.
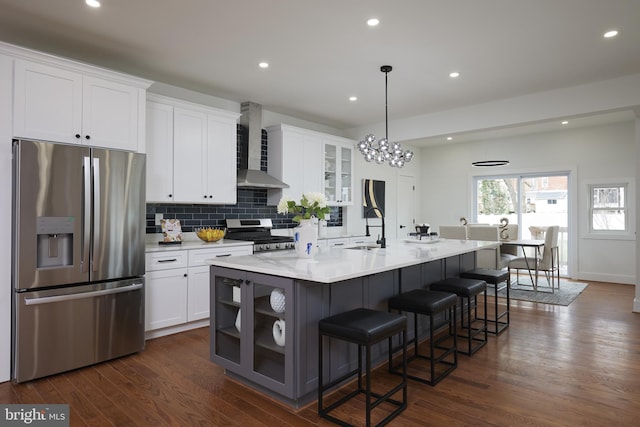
x=253, y=297
x=336, y=264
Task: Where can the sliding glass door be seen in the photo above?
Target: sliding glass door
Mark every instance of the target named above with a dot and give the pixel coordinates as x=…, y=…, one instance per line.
x=532, y=201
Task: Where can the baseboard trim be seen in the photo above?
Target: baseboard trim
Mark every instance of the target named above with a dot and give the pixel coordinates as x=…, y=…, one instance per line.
x=175, y=329
x=610, y=278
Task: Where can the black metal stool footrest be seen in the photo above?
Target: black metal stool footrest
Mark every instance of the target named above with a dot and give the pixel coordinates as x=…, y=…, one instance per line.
x=499, y=279
x=429, y=303
x=363, y=327
x=467, y=290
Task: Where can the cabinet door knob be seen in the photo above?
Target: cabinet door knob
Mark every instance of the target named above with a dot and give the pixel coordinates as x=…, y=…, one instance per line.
x=87, y=137
x=77, y=135
x=247, y=282
x=170, y=195
x=185, y=274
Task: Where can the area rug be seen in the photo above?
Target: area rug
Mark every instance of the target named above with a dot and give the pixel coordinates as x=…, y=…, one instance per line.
x=567, y=293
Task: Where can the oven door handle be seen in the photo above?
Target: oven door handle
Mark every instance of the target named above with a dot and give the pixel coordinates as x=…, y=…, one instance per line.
x=82, y=295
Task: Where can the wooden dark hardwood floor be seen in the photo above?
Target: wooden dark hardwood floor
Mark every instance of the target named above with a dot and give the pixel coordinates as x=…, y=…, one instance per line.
x=554, y=366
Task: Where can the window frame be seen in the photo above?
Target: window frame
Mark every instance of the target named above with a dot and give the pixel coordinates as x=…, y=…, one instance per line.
x=629, y=208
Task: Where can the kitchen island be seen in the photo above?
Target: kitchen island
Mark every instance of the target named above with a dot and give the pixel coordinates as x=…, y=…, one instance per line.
x=266, y=307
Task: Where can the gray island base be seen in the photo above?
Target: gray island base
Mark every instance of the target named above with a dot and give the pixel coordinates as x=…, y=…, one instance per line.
x=266, y=307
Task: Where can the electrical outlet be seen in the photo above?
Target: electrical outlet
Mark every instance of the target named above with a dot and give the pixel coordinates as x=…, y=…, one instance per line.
x=158, y=218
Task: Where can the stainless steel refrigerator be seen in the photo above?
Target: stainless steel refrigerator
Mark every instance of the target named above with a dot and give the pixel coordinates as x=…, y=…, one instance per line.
x=78, y=238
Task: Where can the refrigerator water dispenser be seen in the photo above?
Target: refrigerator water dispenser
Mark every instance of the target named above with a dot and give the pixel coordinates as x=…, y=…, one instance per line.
x=55, y=241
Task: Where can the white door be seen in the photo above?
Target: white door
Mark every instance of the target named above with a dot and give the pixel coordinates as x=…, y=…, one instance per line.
x=406, y=205
x=221, y=161
x=110, y=114
x=189, y=163
x=47, y=103
x=159, y=152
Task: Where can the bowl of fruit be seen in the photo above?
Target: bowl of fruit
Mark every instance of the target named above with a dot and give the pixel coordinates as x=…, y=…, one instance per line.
x=209, y=234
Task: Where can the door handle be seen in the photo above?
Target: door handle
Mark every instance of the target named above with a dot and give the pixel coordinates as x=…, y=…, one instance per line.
x=81, y=295
x=86, y=211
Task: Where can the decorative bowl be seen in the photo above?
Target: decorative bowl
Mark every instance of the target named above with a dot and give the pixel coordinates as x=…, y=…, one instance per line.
x=209, y=234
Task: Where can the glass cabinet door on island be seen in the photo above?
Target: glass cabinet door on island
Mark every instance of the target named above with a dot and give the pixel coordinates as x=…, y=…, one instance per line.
x=249, y=334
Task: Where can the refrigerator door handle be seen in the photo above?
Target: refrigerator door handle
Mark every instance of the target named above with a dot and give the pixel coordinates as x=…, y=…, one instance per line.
x=86, y=213
x=96, y=213
x=82, y=295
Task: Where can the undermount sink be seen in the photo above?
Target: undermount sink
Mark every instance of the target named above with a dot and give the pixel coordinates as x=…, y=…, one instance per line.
x=365, y=247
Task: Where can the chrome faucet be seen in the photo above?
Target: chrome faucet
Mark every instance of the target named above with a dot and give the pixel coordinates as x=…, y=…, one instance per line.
x=382, y=241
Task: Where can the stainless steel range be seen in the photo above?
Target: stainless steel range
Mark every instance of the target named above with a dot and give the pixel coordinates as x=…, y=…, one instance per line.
x=259, y=232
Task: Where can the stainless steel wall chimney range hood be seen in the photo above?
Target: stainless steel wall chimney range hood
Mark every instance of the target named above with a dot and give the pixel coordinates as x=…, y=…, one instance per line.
x=249, y=174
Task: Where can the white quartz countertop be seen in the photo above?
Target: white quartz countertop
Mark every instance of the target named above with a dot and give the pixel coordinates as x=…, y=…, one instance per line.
x=335, y=264
x=152, y=244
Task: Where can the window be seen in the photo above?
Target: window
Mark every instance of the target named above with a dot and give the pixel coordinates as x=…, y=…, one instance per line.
x=608, y=207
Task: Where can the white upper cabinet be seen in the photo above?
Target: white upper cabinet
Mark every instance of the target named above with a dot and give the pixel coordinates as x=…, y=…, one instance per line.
x=294, y=157
x=221, y=159
x=64, y=105
x=338, y=170
x=191, y=153
x=159, y=152
x=189, y=156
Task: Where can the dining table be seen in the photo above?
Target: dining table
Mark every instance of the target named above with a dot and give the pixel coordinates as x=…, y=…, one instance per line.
x=537, y=246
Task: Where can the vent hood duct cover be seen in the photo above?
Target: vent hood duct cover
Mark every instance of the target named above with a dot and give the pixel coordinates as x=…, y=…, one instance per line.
x=251, y=178
x=250, y=175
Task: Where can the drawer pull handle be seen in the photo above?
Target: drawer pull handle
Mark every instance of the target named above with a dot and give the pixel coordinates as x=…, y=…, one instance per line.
x=222, y=255
x=168, y=260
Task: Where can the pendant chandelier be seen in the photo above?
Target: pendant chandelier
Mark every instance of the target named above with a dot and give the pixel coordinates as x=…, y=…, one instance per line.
x=382, y=151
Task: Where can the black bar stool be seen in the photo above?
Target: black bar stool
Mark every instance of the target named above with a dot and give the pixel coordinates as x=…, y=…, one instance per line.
x=499, y=279
x=363, y=327
x=430, y=303
x=468, y=290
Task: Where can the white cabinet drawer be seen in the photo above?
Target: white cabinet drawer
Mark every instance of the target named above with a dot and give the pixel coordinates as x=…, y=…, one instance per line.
x=337, y=242
x=198, y=257
x=165, y=260
x=362, y=240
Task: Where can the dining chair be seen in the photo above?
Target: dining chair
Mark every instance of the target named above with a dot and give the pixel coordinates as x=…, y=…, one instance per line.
x=486, y=258
x=549, y=262
x=453, y=232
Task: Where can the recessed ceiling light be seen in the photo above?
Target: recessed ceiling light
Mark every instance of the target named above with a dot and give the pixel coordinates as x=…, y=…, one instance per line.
x=454, y=74
x=564, y=122
x=263, y=65
x=353, y=98
x=449, y=138
x=92, y=3
x=372, y=22
x=610, y=33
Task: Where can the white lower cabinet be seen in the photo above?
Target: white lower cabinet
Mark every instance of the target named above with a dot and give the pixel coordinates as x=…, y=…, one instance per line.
x=165, y=298
x=198, y=293
x=177, y=287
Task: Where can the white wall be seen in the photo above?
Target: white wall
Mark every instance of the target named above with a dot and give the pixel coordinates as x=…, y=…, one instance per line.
x=352, y=215
x=636, y=301
x=594, y=153
x=6, y=87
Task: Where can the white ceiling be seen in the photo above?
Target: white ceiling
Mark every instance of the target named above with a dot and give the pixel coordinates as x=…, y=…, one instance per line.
x=322, y=52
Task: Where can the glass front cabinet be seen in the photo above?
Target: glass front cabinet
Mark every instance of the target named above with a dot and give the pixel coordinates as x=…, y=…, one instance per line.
x=338, y=171
x=249, y=333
